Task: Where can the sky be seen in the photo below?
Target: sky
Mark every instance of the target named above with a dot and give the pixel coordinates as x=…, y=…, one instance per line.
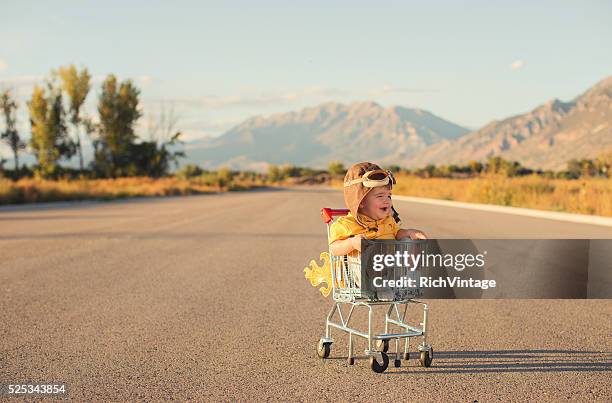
x=219, y=63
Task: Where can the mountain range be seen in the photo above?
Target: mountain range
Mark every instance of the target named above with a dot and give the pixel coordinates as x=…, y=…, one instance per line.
x=546, y=137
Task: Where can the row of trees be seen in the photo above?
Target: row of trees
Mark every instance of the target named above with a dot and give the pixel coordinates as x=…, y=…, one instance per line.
x=59, y=129
x=221, y=178
x=598, y=167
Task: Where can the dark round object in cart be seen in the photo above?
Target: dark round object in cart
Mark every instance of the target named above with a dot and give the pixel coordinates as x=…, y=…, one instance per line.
x=377, y=366
x=323, y=349
x=426, y=358
x=351, y=361
x=397, y=363
x=383, y=345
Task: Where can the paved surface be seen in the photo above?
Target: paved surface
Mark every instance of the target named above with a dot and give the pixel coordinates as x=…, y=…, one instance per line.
x=204, y=298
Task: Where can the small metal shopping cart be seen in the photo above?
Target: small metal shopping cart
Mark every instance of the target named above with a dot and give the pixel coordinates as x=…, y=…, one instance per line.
x=348, y=292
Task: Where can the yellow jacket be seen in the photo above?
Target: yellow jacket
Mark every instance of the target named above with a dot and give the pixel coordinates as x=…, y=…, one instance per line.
x=347, y=226
x=344, y=228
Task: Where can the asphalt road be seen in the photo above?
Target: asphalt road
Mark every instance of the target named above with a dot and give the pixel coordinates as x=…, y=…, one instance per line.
x=205, y=298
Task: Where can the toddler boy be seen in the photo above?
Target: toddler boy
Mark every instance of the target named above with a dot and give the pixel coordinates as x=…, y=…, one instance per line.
x=367, y=194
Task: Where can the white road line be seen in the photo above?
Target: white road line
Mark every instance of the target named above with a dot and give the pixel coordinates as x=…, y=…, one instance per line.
x=550, y=215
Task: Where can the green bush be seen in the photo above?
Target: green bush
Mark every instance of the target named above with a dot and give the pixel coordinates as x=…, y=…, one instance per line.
x=189, y=171
x=336, y=168
x=274, y=173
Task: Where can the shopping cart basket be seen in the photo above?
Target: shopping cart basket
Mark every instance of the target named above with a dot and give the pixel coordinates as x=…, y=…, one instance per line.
x=349, y=291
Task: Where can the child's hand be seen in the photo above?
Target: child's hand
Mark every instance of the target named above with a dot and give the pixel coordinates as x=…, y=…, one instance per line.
x=411, y=233
x=356, y=241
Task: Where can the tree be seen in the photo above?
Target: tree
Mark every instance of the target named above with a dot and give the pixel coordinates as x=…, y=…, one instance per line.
x=119, y=112
x=603, y=164
x=336, y=168
x=274, y=173
x=163, y=140
x=588, y=168
x=76, y=85
x=475, y=167
x=574, y=169
x=189, y=171
x=49, y=138
x=149, y=158
x=429, y=171
x=224, y=177
x=290, y=171
x=498, y=165
x=163, y=126
x=91, y=129
x=10, y=133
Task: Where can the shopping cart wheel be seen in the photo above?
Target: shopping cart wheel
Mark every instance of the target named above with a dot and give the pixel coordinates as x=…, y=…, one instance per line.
x=323, y=349
x=379, y=367
x=397, y=363
x=426, y=358
x=383, y=345
x=406, y=356
x=351, y=361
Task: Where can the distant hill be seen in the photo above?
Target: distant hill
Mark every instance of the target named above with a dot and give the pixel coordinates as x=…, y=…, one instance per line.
x=546, y=137
x=331, y=131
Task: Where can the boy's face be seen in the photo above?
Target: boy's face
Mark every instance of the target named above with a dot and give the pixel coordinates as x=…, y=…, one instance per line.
x=377, y=203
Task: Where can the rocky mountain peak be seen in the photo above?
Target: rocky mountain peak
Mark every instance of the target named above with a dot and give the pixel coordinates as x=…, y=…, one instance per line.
x=545, y=137
x=599, y=95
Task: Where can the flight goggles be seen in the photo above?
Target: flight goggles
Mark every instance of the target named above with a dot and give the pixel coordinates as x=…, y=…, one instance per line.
x=372, y=179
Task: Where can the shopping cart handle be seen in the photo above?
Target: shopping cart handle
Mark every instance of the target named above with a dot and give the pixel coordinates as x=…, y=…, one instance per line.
x=327, y=214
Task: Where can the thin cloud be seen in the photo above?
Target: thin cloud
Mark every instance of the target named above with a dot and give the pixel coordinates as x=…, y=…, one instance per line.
x=261, y=99
x=21, y=81
x=389, y=89
x=145, y=80
x=517, y=65
x=29, y=81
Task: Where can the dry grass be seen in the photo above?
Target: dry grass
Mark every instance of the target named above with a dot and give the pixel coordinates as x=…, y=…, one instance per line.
x=33, y=190
x=583, y=196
